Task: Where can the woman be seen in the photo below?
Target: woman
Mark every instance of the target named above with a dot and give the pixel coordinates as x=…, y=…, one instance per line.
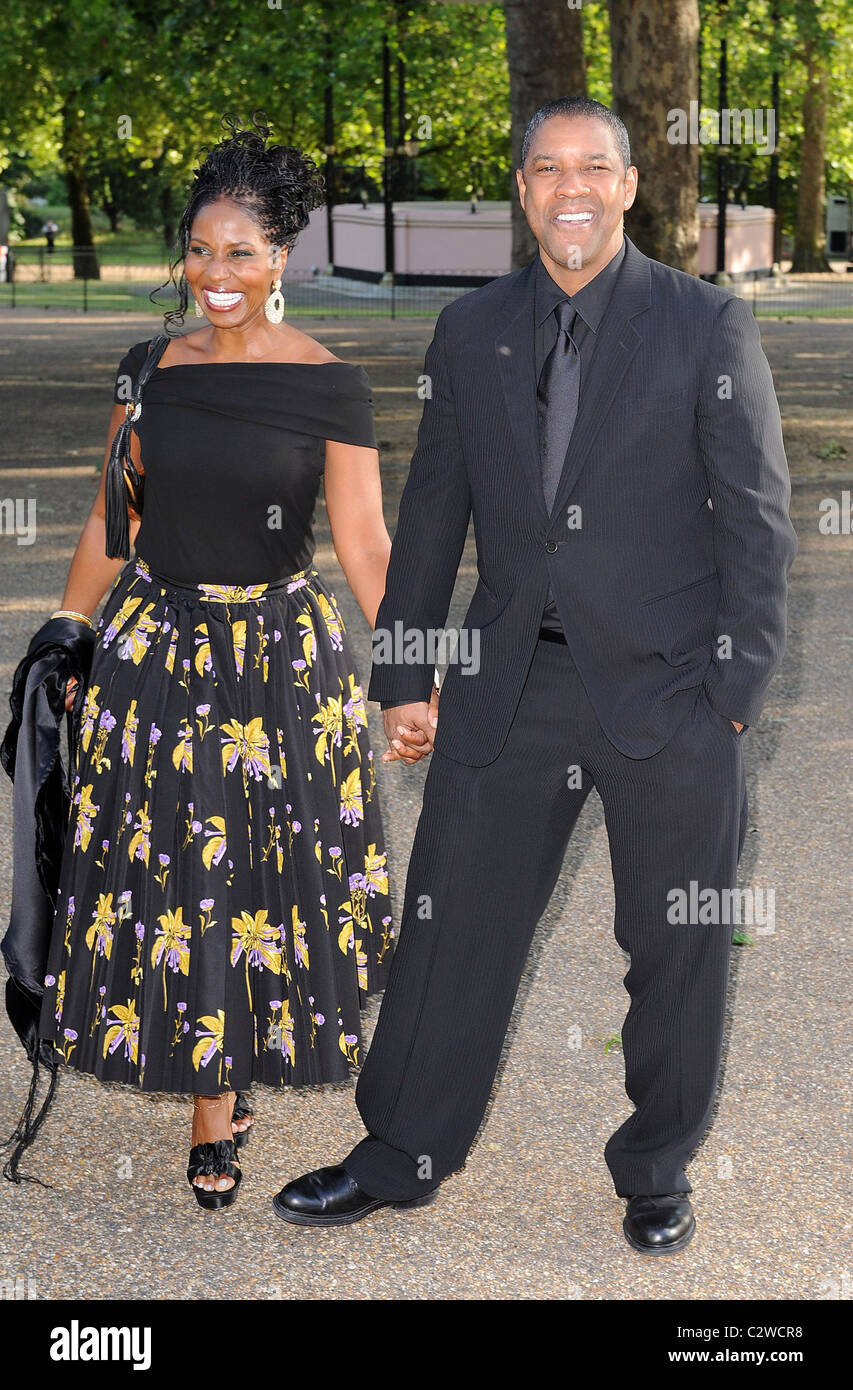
x=223, y=909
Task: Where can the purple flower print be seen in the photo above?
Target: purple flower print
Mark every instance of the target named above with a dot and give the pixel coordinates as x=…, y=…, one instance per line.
x=49, y=980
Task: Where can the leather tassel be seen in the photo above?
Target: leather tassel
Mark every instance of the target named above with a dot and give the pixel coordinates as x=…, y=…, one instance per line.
x=23, y=1008
x=115, y=494
x=27, y=1128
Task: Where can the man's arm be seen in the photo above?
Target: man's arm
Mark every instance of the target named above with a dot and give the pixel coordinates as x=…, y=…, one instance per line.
x=431, y=528
x=740, y=438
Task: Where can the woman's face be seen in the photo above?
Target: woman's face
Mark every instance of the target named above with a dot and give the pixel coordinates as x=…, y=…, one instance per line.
x=230, y=266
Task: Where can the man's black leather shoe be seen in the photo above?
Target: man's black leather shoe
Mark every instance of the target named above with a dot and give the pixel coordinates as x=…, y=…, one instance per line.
x=659, y=1225
x=330, y=1197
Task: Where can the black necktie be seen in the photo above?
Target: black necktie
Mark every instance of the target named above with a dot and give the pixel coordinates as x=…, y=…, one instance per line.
x=557, y=396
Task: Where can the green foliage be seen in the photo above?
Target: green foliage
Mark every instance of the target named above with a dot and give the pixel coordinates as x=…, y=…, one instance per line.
x=151, y=79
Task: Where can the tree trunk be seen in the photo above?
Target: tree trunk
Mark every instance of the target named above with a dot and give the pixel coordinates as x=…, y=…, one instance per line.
x=544, y=49
x=809, y=235
x=655, y=69
x=84, y=256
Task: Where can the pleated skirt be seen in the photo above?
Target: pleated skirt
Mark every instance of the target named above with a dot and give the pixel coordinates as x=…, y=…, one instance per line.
x=224, y=909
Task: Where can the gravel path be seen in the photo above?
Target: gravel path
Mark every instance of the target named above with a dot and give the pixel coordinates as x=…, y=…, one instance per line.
x=533, y=1214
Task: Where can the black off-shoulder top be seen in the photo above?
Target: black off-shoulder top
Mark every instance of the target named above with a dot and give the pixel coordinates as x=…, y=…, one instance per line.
x=233, y=454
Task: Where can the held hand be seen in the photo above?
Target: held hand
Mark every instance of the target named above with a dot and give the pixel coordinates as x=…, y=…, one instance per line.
x=70, y=692
x=410, y=730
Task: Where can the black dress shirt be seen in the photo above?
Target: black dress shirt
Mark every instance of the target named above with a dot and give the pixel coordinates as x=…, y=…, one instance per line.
x=591, y=304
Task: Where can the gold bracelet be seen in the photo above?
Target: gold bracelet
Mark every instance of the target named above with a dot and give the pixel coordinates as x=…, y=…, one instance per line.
x=72, y=613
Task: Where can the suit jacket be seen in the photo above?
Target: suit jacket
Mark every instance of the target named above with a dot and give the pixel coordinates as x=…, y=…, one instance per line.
x=668, y=545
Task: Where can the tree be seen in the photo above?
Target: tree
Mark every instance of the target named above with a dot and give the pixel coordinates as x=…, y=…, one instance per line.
x=545, y=55
x=809, y=234
x=655, y=70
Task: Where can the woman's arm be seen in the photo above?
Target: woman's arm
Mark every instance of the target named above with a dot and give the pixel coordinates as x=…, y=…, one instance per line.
x=359, y=534
x=92, y=571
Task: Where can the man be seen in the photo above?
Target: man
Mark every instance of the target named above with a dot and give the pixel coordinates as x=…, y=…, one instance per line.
x=611, y=425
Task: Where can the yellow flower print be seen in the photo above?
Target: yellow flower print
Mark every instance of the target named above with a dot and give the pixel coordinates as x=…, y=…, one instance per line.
x=258, y=941
x=170, y=654
x=250, y=744
x=60, y=995
x=346, y=935
x=182, y=754
x=203, y=661
x=352, y=807
x=328, y=728
x=212, y=1036
x=128, y=608
x=124, y=1029
x=140, y=843
x=233, y=593
x=262, y=661
x=238, y=638
x=91, y=710
x=171, y=945
x=134, y=644
x=361, y=965
x=100, y=934
x=86, y=812
x=333, y=621
x=280, y=1033
x=309, y=641
x=128, y=734
x=355, y=714
x=216, y=843
x=300, y=944
x=375, y=871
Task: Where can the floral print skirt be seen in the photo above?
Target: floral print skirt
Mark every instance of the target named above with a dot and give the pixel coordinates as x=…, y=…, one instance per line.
x=224, y=906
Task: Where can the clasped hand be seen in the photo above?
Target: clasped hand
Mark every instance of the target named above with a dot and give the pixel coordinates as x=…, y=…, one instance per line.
x=410, y=730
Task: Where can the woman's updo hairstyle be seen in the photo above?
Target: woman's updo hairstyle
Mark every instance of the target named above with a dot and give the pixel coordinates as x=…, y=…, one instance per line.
x=276, y=185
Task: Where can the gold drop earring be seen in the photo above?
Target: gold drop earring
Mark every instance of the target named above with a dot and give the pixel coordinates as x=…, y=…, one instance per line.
x=274, y=307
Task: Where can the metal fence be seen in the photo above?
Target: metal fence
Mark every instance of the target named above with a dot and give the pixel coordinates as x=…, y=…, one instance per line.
x=41, y=279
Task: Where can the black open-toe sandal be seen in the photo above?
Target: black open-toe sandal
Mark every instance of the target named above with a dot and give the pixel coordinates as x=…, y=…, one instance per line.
x=217, y=1159
x=242, y=1111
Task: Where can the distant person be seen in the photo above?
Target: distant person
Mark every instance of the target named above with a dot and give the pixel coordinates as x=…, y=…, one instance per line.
x=50, y=230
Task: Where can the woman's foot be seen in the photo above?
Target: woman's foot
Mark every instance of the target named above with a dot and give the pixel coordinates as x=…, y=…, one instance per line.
x=212, y=1121
x=242, y=1119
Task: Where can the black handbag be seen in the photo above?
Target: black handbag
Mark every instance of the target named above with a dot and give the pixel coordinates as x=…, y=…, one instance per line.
x=125, y=485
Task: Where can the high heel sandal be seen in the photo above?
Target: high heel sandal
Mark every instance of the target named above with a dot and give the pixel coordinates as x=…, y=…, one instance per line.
x=216, y=1159
x=242, y=1111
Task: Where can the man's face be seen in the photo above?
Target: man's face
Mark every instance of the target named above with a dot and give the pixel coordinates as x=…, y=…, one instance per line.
x=574, y=191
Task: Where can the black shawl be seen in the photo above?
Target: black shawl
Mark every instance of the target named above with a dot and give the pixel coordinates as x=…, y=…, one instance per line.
x=31, y=755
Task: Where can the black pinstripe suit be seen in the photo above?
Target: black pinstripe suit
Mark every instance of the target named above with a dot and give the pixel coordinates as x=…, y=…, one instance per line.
x=674, y=615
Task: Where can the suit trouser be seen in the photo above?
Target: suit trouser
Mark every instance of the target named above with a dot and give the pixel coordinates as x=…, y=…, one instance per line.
x=486, y=856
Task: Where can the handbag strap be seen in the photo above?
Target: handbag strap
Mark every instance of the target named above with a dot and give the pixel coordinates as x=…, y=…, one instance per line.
x=117, y=522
